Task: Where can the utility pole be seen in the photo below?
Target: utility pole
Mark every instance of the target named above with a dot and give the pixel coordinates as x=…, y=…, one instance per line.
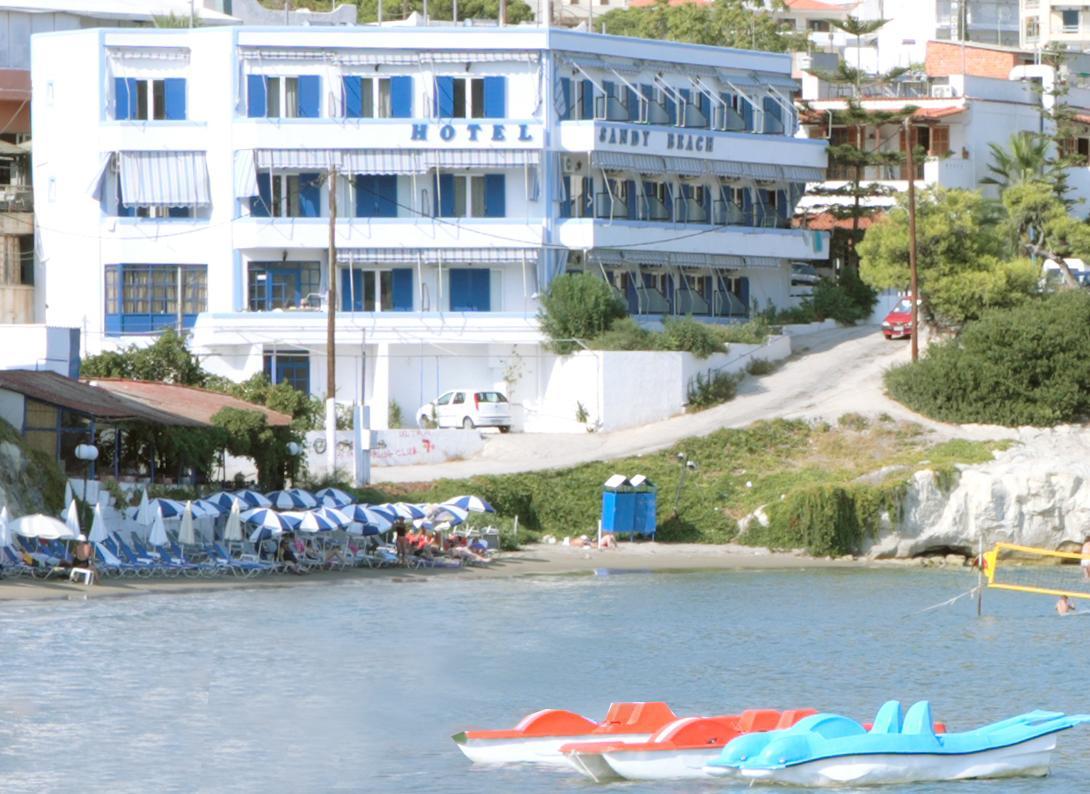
x=914, y=287
x=330, y=336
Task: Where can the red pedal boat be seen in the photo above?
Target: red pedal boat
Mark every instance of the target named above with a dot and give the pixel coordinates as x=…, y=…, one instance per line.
x=539, y=736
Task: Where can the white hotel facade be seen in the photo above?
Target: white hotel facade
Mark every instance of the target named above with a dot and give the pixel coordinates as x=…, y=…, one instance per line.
x=182, y=180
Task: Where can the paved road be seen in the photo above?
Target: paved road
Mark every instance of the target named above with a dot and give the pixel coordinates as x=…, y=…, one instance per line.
x=832, y=372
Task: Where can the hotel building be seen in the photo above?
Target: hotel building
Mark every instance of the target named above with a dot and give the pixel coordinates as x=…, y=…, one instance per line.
x=187, y=178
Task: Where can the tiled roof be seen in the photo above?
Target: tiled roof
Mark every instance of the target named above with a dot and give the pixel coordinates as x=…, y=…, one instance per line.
x=197, y=405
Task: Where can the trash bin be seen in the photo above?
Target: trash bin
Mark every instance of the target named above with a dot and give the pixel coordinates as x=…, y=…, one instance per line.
x=645, y=496
x=490, y=536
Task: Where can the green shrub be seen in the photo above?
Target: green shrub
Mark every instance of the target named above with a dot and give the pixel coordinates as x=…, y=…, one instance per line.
x=624, y=334
x=711, y=388
x=760, y=366
x=689, y=336
x=754, y=332
x=853, y=421
x=1029, y=365
x=396, y=420
x=578, y=306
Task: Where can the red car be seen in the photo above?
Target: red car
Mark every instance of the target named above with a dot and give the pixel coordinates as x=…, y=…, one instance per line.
x=898, y=323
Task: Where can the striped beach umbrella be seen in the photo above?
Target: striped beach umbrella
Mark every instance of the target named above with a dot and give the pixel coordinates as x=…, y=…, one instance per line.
x=339, y=517
x=264, y=518
x=166, y=508
x=404, y=510
x=452, y=514
x=473, y=504
x=333, y=497
x=310, y=521
x=366, y=515
x=291, y=500
x=252, y=498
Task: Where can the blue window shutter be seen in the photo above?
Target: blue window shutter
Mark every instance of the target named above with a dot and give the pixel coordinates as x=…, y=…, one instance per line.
x=401, y=97
x=444, y=96
x=565, y=200
x=495, y=195
x=403, y=289
x=256, y=106
x=630, y=198
x=174, y=91
x=781, y=204
x=632, y=103
x=586, y=98
x=124, y=97
x=459, y=289
x=482, y=290
x=747, y=207
x=706, y=107
x=610, y=87
x=747, y=114
x=445, y=196
x=743, y=292
x=773, y=114
x=671, y=108
x=565, y=99
x=365, y=196
x=346, y=289
x=310, y=90
x=310, y=195
x=261, y=204
x=495, y=97
x=668, y=200
x=588, y=197
x=386, y=196
x=179, y=212
x=353, y=97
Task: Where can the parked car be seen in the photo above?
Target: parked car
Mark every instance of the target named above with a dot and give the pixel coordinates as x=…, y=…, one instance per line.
x=468, y=408
x=803, y=275
x=898, y=323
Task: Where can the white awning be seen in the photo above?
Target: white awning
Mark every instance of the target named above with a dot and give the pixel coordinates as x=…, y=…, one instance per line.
x=735, y=170
x=636, y=258
x=392, y=161
x=650, y=163
x=385, y=58
x=802, y=173
x=479, y=158
x=245, y=174
x=382, y=161
x=430, y=255
x=105, y=160
x=298, y=159
x=164, y=179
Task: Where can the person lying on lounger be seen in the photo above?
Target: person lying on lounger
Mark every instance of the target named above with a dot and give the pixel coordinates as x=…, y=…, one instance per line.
x=285, y=555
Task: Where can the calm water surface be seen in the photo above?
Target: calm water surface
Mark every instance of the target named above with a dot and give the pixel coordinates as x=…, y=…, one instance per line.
x=358, y=686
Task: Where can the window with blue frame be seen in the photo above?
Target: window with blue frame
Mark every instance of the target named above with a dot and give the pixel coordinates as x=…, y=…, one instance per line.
x=470, y=97
x=369, y=97
x=470, y=289
x=375, y=195
x=470, y=196
x=283, y=97
x=375, y=289
x=143, y=299
x=138, y=99
x=773, y=116
x=284, y=285
x=289, y=366
x=287, y=196
x=158, y=212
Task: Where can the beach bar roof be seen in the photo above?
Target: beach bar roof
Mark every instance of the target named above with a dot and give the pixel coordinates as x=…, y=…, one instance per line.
x=198, y=405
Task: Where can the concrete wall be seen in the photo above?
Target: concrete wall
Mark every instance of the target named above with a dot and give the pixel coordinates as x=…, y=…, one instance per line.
x=39, y=347
x=394, y=448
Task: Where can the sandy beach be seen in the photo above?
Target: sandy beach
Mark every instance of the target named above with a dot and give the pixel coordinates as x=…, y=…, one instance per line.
x=536, y=560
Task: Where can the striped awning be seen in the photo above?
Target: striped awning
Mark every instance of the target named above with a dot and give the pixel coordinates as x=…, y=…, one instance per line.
x=649, y=163
x=433, y=255
x=384, y=58
x=392, y=161
x=164, y=179
x=631, y=257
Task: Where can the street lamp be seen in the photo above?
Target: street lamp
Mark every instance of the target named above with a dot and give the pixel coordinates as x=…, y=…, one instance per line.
x=686, y=465
x=89, y=453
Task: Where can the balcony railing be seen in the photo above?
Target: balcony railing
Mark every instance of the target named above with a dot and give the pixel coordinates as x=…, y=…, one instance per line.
x=606, y=206
x=16, y=198
x=654, y=209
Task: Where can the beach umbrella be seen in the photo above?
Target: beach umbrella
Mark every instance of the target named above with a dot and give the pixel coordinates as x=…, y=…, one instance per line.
x=166, y=508
x=144, y=513
x=187, y=535
x=158, y=535
x=403, y=510
x=5, y=532
x=221, y=499
x=233, y=529
x=265, y=533
x=71, y=518
x=98, y=527
x=368, y=516
x=305, y=496
x=44, y=527
x=333, y=497
x=311, y=522
x=264, y=518
x=452, y=514
x=339, y=517
x=473, y=504
x=203, y=508
x=68, y=495
x=289, y=500
x=252, y=498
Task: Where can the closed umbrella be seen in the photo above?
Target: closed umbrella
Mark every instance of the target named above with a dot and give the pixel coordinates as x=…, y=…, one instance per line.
x=233, y=529
x=473, y=504
x=44, y=527
x=68, y=495
x=187, y=535
x=144, y=513
x=5, y=532
x=98, y=527
x=158, y=535
x=333, y=497
x=71, y=518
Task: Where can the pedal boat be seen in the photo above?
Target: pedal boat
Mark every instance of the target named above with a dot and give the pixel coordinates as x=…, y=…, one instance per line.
x=679, y=750
x=538, y=737
x=831, y=750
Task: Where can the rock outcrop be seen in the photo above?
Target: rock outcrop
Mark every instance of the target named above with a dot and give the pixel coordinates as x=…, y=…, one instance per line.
x=1037, y=493
x=29, y=481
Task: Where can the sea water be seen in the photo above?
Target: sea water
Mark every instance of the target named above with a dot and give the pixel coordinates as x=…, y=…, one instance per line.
x=358, y=685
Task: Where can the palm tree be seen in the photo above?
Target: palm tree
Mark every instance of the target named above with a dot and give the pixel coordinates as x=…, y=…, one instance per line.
x=1026, y=159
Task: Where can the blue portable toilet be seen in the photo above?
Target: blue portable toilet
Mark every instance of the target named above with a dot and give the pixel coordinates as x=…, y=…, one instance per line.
x=646, y=497
x=618, y=506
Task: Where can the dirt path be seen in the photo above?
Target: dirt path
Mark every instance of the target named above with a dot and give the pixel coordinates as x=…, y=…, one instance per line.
x=831, y=373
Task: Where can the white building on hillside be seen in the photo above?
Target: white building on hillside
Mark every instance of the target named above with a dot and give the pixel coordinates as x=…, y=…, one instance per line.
x=184, y=181
x=1065, y=23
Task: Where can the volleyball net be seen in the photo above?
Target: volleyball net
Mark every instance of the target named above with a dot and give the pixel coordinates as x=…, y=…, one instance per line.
x=1031, y=570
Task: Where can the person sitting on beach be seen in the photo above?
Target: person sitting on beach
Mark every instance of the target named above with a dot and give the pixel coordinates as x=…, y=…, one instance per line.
x=421, y=546
x=1084, y=563
x=607, y=541
x=83, y=556
x=285, y=555
x=1064, y=606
